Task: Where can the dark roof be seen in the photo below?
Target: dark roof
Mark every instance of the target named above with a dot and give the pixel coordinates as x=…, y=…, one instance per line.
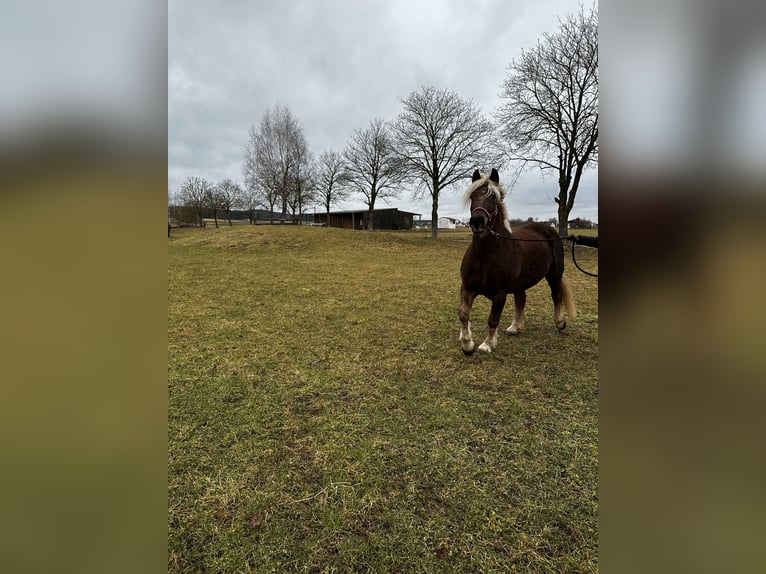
x=350, y=211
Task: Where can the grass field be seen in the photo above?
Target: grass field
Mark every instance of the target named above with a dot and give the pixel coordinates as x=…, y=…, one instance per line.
x=322, y=417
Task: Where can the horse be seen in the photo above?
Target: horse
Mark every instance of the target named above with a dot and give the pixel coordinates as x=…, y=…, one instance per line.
x=500, y=261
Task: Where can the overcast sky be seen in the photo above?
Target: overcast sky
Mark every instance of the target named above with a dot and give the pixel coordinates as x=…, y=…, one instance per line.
x=338, y=64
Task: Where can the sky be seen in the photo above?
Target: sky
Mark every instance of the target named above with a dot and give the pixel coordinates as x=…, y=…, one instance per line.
x=338, y=64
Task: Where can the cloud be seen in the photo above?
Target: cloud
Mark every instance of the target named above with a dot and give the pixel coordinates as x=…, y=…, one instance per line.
x=337, y=64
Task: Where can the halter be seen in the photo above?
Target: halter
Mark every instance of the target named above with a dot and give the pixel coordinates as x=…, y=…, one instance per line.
x=490, y=216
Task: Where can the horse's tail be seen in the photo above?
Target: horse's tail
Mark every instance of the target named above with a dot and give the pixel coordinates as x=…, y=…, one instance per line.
x=568, y=300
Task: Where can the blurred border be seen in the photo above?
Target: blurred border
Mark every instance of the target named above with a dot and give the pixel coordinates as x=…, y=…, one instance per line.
x=681, y=183
x=83, y=187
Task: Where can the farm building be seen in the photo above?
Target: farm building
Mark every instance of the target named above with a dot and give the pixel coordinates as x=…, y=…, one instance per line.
x=447, y=222
x=390, y=218
x=442, y=223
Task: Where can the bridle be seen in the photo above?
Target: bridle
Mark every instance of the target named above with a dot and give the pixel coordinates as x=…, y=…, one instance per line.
x=490, y=216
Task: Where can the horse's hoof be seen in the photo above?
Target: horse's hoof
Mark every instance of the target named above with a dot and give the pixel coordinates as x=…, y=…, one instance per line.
x=469, y=353
x=485, y=348
x=562, y=326
x=513, y=330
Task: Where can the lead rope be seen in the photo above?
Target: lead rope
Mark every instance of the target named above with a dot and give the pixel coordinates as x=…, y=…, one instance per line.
x=572, y=238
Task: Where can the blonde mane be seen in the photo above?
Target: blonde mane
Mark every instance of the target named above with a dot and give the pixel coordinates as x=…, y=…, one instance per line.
x=493, y=188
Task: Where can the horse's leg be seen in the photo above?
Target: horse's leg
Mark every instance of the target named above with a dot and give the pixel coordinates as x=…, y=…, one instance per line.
x=519, y=300
x=489, y=344
x=557, y=294
x=464, y=313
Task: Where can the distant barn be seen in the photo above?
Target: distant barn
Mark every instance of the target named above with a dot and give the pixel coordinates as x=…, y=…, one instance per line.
x=390, y=218
x=447, y=222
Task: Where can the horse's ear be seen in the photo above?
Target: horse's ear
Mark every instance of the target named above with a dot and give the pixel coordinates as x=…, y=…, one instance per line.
x=476, y=175
x=494, y=177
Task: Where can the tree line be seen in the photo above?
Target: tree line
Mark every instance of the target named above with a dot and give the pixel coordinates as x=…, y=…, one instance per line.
x=548, y=119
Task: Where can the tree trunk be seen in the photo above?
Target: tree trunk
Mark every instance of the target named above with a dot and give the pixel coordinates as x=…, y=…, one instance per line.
x=228, y=216
x=564, y=205
x=369, y=218
x=563, y=215
x=215, y=217
x=435, y=213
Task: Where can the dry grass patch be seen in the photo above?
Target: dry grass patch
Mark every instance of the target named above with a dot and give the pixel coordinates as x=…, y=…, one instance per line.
x=322, y=417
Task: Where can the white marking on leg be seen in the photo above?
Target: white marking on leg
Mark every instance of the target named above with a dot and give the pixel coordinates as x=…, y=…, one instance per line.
x=558, y=316
x=517, y=326
x=490, y=343
x=466, y=338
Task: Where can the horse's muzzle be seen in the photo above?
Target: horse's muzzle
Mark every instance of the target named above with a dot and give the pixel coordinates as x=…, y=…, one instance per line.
x=477, y=223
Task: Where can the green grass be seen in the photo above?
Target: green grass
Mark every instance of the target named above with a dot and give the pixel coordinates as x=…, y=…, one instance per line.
x=322, y=417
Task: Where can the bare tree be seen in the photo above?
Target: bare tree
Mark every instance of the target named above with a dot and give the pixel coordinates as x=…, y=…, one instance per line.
x=331, y=179
x=252, y=199
x=300, y=185
x=273, y=154
x=179, y=211
x=550, y=118
x=194, y=195
x=373, y=167
x=214, y=202
x=304, y=186
x=442, y=138
x=260, y=167
x=229, y=197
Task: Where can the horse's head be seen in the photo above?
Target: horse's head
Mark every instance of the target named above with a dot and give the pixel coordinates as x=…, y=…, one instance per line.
x=486, y=197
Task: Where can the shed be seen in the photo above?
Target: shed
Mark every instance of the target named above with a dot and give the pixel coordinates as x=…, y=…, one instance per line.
x=389, y=218
x=446, y=223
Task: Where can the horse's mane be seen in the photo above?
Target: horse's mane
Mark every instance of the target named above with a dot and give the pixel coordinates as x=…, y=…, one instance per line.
x=496, y=189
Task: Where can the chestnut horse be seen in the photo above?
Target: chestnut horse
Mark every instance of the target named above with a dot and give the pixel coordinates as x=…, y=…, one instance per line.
x=499, y=262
